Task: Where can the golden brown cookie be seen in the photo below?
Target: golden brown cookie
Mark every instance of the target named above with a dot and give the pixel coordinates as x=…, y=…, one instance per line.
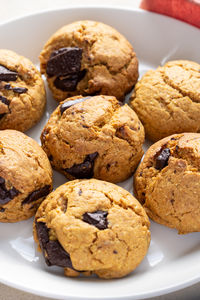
x=92, y=226
x=94, y=137
x=167, y=100
x=167, y=182
x=87, y=58
x=25, y=176
x=22, y=92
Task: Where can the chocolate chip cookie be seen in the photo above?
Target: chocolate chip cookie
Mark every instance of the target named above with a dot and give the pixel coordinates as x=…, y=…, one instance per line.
x=22, y=92
x=167, y=100
x=167, y=182
x=94, y=137
x=92, y=226
x=25, y=176
x=89, y=58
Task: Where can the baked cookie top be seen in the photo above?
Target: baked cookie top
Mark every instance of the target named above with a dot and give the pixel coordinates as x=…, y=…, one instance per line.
x=167, y=100
x=92, y=226
x=87, y=58
x=25, y=176
x=22, y=92
x=94, y=137
x=167, y=182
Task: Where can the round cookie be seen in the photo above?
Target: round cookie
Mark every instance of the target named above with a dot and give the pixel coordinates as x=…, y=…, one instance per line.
x=94, y=137
x=89, y=58
x=167, y=182
x=25, y=176
x=22, y=92
x=92, y=226
x=167, y=100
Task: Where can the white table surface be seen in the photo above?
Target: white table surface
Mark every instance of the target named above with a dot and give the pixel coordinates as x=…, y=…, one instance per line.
x=10, y=9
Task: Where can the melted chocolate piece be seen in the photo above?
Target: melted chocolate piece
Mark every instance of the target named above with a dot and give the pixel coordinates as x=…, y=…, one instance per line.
x=19, y=90
x=121, y=132
x=65, y=64
x=162, y=159
x=43, y=135
x=50, y=157
x=7, y=75
x=97, y=218
x=7, y=86
x=81, y=74
x=67, y=83
x=68, y=104
x=2, y=209
x=6, y=195
x=64, y=61
x=54, y=253
x=35, y=195
x=85, y=169
x=4, y=100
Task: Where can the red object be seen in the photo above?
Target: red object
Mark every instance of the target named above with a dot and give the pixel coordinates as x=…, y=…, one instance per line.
x=185, y=10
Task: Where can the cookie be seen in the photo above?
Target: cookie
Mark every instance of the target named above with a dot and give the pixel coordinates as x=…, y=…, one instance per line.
x=22, y=92
x=92, y=226
x=167, y=100
x=93, y=137
x=25, y=176
x=167, y=182
x=89, y=58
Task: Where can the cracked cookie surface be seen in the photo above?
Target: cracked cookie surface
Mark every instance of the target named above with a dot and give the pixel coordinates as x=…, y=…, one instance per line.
x=96, y=58
x=95, y=227
x=22, y=92
x=94, y=137
x=167, y=182
x=167, y=100
x=25, y=176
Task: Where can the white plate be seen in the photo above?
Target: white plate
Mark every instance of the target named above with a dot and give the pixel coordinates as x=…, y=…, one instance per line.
x=173, y=261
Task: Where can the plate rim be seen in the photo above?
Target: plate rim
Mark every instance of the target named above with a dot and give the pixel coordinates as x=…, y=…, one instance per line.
x=118, y=7
x=162, y=291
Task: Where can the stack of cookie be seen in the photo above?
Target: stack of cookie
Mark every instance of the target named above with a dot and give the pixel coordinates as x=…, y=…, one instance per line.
x=89, y=225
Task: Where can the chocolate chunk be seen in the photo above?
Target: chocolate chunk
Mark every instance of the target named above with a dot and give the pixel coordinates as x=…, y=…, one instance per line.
x=82, y=74
x=57, y=255
x=50, y=157
x=121, y=132
x=108, y=167
x=7, y=86
x=7, y=75
x=64, y=61
x=85, y=169
x=68, y=104
x=4, y=100
x=67, y=83
x=162, y=159
x=2, y=209
x=97, y=218
x=177, y=148
x=35, y=195
x=43, y=135
x=54, y=253
x=6, y=195
x=19, y=90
